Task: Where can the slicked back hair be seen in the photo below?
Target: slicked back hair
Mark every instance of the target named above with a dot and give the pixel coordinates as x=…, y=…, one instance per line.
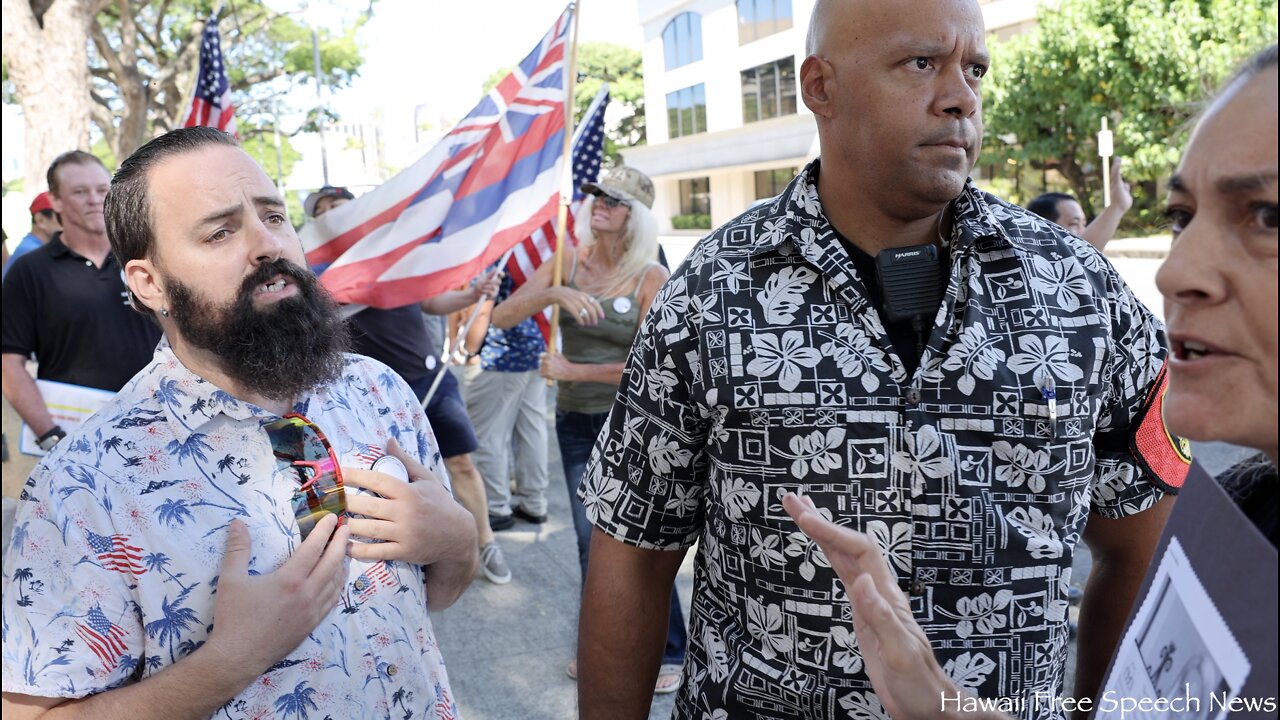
x=127, y=207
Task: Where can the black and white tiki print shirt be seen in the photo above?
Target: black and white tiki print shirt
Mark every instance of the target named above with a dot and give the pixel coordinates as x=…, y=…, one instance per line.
x=762, y=368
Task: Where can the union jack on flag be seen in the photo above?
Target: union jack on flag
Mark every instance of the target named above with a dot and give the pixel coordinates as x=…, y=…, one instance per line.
x=483, y=188
x=115, y=553
x=211, y=105
x=104, y=638
x=588, y=151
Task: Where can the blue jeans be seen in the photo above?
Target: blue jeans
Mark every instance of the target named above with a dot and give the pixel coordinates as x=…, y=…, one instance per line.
x=577, y=433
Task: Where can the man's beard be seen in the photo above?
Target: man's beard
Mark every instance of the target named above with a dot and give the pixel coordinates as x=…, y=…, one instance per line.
x=278, y=351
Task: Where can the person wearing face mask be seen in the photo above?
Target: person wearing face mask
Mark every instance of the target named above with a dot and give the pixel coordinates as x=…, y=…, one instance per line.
x=1219, y=284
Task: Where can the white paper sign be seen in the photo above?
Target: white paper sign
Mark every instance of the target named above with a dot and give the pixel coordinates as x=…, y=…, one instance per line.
x=70, y=405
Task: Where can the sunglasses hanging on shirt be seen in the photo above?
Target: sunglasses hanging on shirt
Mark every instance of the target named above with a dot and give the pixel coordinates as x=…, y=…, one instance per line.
x=302, y=448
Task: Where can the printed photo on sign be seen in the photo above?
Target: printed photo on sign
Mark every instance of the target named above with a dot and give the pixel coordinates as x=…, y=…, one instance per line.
x=1178, y=658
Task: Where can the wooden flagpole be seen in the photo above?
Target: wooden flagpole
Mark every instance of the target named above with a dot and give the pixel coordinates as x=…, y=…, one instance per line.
x=566, y=181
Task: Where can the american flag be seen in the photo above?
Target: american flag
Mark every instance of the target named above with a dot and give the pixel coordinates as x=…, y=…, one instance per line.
x=104, y=638
x=367, y=454
x=484, y=187
x=368, y=582
x=588, y=151
x=115, y=553
x=211, y=106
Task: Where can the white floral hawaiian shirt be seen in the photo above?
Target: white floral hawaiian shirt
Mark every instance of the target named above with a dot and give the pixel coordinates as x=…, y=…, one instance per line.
x=112, y=570
x=762, y=368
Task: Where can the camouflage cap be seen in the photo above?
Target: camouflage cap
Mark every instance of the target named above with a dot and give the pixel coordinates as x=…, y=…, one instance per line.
x=624, y=183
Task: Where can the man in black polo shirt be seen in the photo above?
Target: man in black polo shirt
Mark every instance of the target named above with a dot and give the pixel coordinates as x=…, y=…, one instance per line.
x=66, y=303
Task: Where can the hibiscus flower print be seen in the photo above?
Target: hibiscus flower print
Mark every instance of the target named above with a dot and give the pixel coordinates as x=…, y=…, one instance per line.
x=922, y=457
x=764, y=623
x=1064, y=281
x=783, y=357
x=895, y=542
x=732, y=274
x=1048, y=355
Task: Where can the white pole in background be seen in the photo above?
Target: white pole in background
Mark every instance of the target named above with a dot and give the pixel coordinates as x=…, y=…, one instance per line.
x=1106, y=148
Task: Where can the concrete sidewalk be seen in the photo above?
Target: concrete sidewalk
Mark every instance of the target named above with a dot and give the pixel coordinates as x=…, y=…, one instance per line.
x=507, y=646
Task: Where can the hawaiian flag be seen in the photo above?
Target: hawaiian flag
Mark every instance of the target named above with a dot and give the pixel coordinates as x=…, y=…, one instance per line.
x=588, y=151
x=484, y=187
x=115, y=553
x=104, y=638
x=368, y=582
x=211, y=105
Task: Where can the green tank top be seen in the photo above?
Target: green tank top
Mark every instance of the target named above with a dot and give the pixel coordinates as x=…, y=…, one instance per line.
x=609, y=341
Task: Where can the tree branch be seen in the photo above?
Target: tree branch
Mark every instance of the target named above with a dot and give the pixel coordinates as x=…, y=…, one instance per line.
x=109, y=55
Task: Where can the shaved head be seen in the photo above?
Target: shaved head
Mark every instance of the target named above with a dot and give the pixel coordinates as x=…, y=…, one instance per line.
x=895, y=89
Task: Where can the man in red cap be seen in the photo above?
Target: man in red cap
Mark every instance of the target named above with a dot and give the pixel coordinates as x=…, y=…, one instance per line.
x=44, y=223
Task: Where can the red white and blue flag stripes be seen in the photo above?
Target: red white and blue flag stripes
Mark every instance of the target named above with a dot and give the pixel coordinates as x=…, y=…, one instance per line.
x=103, y=637
x=587, y=153
x=211, y=105
x=484, y=187
x=115, y=553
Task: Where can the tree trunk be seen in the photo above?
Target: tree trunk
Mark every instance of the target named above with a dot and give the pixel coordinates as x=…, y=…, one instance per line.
x=1074, y=174
x=49, y=67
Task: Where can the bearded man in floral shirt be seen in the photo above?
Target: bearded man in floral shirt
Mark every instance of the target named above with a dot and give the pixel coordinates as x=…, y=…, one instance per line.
x=979, y=452
x=161, y=565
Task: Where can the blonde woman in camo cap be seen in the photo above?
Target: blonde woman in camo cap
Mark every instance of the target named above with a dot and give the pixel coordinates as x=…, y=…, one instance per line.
x=610, y=280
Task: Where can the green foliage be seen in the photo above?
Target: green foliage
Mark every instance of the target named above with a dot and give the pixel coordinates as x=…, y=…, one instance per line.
x=621, y=67
x=1143, y=64
x=102, y=150
x=692, y=221
x=269, y=60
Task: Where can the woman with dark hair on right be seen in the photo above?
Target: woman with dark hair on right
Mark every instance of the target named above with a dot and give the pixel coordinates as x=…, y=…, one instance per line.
x=1220, y=289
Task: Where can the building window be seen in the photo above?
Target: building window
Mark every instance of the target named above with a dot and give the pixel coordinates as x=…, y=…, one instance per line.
x=687, y=111
x=695, y=205
x=682, y=40
x=769, y=90
x=771, y=183
x=762, y=18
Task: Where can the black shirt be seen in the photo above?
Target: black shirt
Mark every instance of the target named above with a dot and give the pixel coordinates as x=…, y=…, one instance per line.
x=1256, y=490
x=396, y=338
x=75, y=318
x=904, y=338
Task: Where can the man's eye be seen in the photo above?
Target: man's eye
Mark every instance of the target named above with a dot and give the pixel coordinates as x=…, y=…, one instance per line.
x=220, y=235
x=978, y=71
x=920, y=63
x=1264, y=216
x=1178, y=219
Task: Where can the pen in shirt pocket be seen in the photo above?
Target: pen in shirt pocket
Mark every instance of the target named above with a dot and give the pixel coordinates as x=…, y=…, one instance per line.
x=1050, y=395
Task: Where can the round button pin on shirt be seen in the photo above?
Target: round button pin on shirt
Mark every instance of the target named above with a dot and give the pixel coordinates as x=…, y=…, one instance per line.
x=392, y=466
x=621, y=305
